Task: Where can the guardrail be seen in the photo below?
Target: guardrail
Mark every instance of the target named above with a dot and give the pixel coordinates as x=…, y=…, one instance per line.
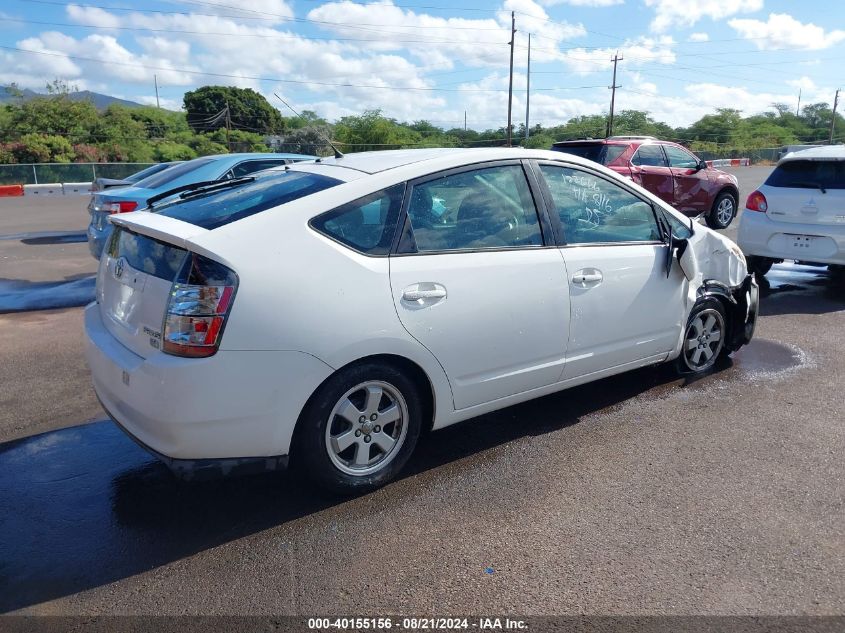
x=40, y=173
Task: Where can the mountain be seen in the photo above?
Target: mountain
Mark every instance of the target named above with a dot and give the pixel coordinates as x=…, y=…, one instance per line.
x=100, y=101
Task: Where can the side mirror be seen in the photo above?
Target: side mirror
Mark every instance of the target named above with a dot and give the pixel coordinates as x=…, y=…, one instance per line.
x=677, y=247
x=702, y=164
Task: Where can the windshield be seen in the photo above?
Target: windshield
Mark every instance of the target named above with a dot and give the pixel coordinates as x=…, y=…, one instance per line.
x=598, y=152
x=169, y=175
x=809, y=174
x=218, y=208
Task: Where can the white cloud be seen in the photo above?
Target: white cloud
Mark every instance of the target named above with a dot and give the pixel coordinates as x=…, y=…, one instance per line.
x=92, y=15
x=699, y=37
x=783, y=31
x=635, y=53
x=675, y=13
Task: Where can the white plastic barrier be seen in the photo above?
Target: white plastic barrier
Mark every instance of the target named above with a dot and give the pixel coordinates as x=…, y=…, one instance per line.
x=52, y=189
x=76, y=188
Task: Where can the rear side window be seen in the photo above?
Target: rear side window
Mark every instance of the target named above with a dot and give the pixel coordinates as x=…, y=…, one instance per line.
x=472, y=210
x=649, y=156
x=252, y=166
x=366, y=225
x=169, y=175
x=219, y=208
x=809, y=174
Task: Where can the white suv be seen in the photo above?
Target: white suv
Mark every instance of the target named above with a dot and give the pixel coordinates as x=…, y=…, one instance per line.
x=798, y=213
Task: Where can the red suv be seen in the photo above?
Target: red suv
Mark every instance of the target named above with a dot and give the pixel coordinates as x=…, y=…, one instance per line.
x=667, y=170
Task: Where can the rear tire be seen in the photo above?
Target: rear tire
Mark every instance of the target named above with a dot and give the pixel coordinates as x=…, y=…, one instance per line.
x=759, y=265
x=723, y=211
x=704, y=338
x=358, y=429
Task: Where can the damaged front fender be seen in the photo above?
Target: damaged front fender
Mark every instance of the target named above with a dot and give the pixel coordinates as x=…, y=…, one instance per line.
x=742, y=304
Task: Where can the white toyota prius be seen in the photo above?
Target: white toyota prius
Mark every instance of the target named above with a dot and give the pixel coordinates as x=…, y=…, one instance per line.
x=329, y=312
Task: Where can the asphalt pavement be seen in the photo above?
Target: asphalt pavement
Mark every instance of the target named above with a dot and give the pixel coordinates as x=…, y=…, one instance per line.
x=638, y=494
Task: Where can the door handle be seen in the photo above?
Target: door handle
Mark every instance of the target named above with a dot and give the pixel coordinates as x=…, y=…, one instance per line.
x=424, y=292
x=587, y=277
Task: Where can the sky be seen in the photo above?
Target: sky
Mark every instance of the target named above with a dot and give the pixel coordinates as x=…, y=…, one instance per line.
x=438, y=60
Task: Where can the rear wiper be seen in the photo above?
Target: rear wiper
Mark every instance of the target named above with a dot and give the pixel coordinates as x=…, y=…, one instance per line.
x=809, y=183
x=199, y=187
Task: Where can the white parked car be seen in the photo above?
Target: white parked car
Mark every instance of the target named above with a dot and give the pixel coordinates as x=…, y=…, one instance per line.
x=798, y=213
x=332, y=311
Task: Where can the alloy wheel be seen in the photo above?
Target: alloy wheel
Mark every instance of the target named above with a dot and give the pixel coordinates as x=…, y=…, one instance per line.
x=366, y=428
x=725, y=211
x=704, y=340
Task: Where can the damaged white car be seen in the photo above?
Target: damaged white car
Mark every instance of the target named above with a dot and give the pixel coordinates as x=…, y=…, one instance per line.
x=328, y=313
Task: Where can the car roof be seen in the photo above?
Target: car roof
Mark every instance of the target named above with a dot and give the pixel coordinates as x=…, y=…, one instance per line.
x=828, y=152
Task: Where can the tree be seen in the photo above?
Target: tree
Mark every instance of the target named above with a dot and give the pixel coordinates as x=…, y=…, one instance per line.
x=43, y=148
x=372, y=131
x=248, y=110
x=307, y=140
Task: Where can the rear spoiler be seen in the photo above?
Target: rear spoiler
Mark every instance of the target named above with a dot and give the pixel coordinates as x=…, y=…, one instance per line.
x=160, y=227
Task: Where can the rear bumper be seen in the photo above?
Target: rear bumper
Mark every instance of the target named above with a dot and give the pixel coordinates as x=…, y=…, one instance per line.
x=97, y=238
x=233, y=406
x=761, y=236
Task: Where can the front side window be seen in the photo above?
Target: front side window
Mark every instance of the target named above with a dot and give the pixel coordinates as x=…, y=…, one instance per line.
x=649, y=156
x=680, y=159
x=366, y=225
x=480, y=209
x=594, y=210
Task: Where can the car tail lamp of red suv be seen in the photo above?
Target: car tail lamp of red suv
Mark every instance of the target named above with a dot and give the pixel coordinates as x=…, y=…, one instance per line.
x=198, y=306
x=757, y=202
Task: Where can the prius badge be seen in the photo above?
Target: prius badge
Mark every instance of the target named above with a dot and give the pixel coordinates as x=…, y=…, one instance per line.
x=119, y=265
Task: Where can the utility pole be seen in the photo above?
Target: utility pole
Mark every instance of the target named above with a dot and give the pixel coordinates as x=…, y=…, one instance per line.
x=798, y=109
x=155, y=80
x=465, y=120
x=615, y=59
x=510, y=82
x=528, y=88
x=228, y=127
x=833, y=117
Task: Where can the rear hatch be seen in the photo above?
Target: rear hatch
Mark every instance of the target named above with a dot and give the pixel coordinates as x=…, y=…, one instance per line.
x=807, y=191
x=135, y=277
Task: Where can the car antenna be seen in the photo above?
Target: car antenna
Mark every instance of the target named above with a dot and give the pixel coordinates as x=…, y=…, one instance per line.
x=337, y=152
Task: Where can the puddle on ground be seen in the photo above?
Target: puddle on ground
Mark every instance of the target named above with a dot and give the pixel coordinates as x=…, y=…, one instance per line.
x=762, y=358
x=18, y=295
x=45, y=238
x=789, y=276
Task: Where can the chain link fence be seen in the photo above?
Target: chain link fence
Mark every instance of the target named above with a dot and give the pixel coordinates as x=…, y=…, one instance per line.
x=41, y=173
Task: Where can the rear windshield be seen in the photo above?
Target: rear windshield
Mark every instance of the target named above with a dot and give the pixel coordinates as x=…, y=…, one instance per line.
x=149, y=171
x=218, y=208
x=144, y=253
x=169, y=175
x=598, y=153
x=809, y=174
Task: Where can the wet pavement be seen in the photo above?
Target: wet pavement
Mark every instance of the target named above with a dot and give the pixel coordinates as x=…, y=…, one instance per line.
x=18, y=295
x=85, y=506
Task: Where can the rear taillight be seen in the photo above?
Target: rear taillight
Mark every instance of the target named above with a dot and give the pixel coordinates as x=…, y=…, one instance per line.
x=199, y=304
x=121, y=206
x=757, y=202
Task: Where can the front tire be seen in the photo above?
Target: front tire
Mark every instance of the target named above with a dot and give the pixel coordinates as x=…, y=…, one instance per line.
x=704, y=337
x=358, y=429
x=723, y=211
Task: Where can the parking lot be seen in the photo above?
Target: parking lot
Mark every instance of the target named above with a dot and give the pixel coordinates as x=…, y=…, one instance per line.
x=638, y=494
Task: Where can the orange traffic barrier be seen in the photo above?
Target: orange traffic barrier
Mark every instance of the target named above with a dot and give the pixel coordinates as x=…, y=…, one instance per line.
x=11, y=190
